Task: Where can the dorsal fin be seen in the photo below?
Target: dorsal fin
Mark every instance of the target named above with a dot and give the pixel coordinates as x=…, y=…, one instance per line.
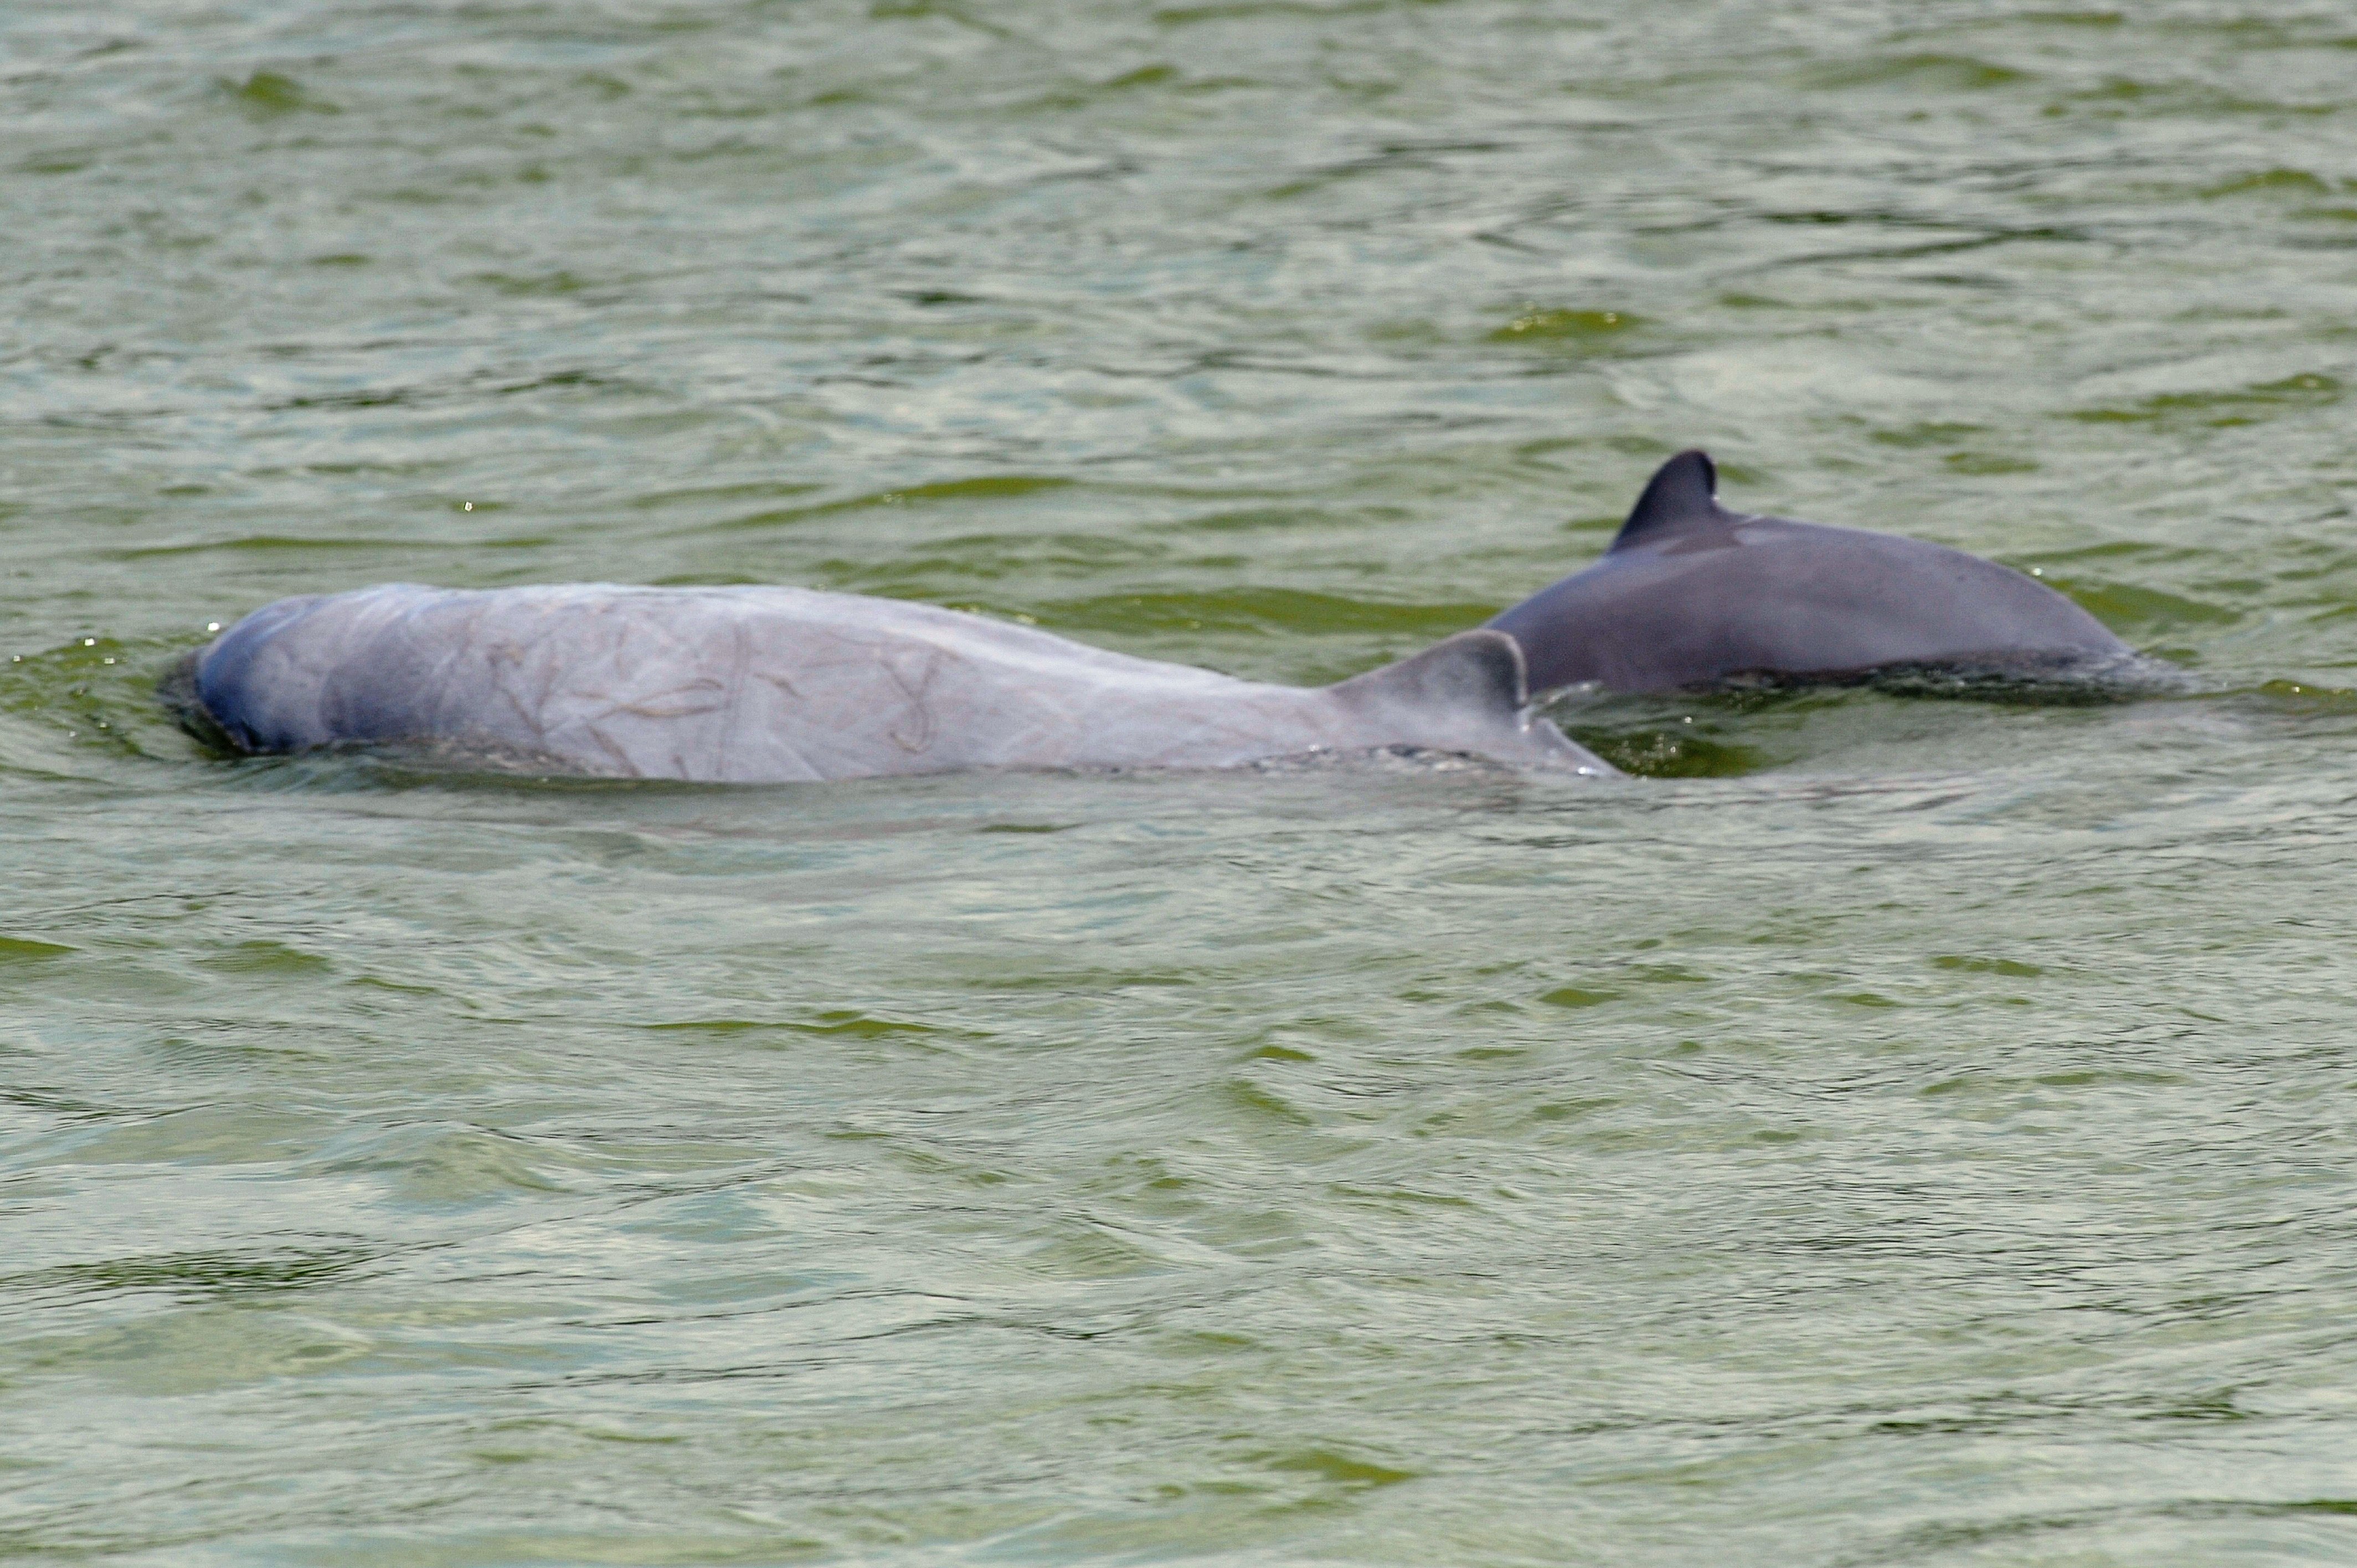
x=1681, y=496
x=1469, y=673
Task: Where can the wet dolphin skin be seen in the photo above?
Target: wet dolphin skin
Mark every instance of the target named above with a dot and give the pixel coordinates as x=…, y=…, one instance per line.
x=1691, y=594
x=775, y=684
x=778, y=684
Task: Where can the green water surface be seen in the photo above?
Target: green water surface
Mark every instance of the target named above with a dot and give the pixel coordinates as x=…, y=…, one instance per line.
x=1894, y=1131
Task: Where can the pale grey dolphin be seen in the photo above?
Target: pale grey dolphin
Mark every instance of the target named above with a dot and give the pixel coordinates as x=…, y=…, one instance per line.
x=1691, y=594
x=774, y=685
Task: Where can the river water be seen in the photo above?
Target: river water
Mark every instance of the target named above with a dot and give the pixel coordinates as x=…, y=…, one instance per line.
x=1888, y=1130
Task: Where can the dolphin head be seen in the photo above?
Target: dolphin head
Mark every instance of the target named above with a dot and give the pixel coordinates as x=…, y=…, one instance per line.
x=1690, y=593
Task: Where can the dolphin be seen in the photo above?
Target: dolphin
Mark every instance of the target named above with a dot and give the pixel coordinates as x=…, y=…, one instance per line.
x=778, y=684
x=1691, y=595
x=782, y=684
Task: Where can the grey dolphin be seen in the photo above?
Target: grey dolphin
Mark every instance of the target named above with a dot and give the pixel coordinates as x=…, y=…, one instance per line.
x=1691, y=594
x=774, y=685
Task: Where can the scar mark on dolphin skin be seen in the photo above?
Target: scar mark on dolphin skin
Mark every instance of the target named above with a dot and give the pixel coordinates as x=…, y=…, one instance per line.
x=811, y=772
x=623, y=766
x=734, y=699
x=507, y=666
x=918, y=709
x=676, y=703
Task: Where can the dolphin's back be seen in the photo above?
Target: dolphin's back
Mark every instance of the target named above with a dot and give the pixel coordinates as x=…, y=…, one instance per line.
x=1794, y=599
x=1691, y=593
x=776, y=684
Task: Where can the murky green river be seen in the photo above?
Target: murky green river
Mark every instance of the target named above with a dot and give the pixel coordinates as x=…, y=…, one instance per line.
x=1891, y=1130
